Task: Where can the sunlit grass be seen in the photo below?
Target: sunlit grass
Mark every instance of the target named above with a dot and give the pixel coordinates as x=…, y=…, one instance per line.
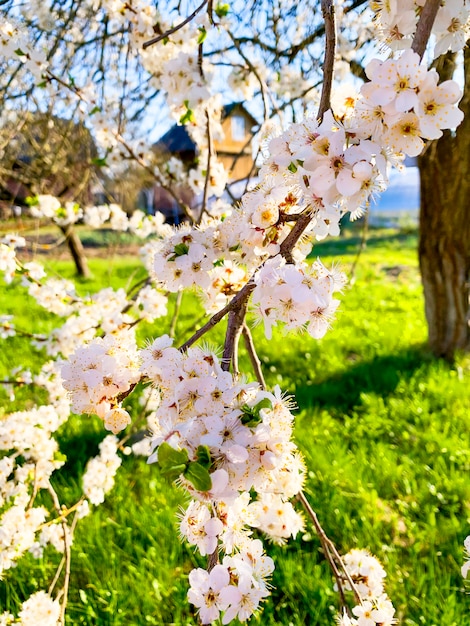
x=384, y=428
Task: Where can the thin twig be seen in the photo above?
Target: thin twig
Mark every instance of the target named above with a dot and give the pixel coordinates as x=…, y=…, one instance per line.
x=252, y=69
x=213, y=560
x=329, y=60
x=170, y=31
x=56, y=576
x=255, y=362
x=210, y=150
x=330, y=550
x=67, y=554
x=174, y=319
x=362, y=247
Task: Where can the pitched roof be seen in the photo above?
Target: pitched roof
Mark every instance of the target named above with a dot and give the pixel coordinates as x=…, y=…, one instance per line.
x=177, y=139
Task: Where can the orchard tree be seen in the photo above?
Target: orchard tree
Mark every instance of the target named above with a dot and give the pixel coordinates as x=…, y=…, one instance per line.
x=218, y=432
x=45, y=154
x=444, y=241
x=268, y=54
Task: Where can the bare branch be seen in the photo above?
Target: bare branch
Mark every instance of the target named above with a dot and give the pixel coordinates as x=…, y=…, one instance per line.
x=256, y=363
x=67, y=554
x=174, y=319
x=330, y=552
x=170, y=31
x=423, y=29
x=329, y=61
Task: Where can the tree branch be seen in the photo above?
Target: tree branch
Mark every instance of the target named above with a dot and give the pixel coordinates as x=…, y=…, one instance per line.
x=329, y=61
x=255, y=362
x=170, y=31
x=236, y=319
x=423, y=29
x=331, y=553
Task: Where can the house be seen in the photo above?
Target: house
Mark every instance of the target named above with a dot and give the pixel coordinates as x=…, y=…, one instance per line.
x=234, y=151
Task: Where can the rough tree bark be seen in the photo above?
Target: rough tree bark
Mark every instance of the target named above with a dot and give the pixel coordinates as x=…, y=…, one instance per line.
x=444, y=244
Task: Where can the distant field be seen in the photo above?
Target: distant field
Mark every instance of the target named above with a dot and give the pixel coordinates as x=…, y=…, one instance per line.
x=384, y=427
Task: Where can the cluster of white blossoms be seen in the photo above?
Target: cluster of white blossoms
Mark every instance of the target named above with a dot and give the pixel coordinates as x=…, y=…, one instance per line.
x=299, y=296
x=15, y=44
x=233, y=588
x=30, y=455
x=99, y=373
x=466, y=565
x=38, y=610
x=177, y=67
x=111, y=215
x=397, y=22
x=229, y=444
x=407, y=103
x=367, y=574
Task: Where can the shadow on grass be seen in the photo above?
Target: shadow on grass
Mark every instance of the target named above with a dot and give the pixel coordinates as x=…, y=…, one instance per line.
x=380, y=375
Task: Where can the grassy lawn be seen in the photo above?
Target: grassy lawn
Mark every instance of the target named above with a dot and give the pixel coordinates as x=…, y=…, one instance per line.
x=384, y=428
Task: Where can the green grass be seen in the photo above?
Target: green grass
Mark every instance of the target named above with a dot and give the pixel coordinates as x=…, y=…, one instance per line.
x=385, y=431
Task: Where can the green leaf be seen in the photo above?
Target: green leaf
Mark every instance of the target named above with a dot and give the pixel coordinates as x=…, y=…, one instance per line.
x=20, y=52
x=292, y=167
x=59, y=457
x=99, y=161
x=222, y=9
x=172, y=462
x=187, y=117
x=32, y=201
x=251, y=414
x=264, y=404
x=173, y=471
x=203, y=456
x=95, y=109
x=249, y=417
x=202, y=35
x=198, y=476
x=168, y=456
x=181, y=249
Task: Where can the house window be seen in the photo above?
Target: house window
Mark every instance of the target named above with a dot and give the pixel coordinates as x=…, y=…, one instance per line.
x=238, y=128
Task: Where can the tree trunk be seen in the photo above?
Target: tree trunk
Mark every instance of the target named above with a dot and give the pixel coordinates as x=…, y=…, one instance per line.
x=76, y=250
x=444, y=244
